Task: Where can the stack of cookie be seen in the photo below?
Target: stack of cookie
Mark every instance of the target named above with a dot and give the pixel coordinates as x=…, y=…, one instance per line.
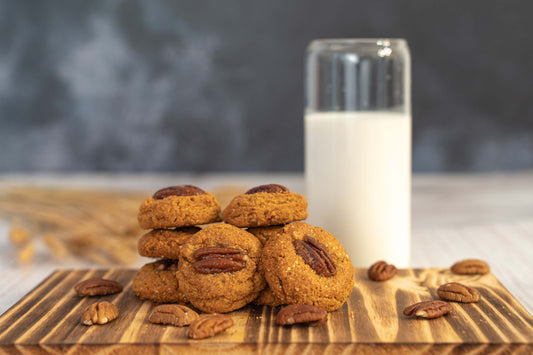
x=276, y=260
x=264, y=210
x=172, y=215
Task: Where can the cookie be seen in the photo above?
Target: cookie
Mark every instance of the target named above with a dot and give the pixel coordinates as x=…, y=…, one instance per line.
x=264, y=233
x=178, y=206
x=157, y=282
x=307, y=265
x=265, y=205
x=164, y=243
x=219, y=268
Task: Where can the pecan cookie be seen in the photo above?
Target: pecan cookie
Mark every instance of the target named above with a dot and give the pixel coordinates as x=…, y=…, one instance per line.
x=307, y=265
x=178, y=206
x=164, y=243
x=219, y=268
x=265, y=205
x=157, y=282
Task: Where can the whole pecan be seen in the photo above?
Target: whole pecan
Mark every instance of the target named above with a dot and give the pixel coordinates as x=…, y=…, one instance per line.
x=97, y=287
x=470, y=266
x=428, y=309
x=99, y=313
x=214, y=260
x=272, y=188
x=315, y=255
x=174, y=314
x=301, y=313
x=208, y=325
x=455, y=291
x=381, y=271
x=179, y=190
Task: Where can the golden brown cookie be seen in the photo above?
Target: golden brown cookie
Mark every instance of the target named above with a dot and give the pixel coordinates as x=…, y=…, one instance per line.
x=178, y=206
x=164, y=243
x=265, y=205
x=264, y=233
x=157, y=282
x=307, y=265
x=218, y=268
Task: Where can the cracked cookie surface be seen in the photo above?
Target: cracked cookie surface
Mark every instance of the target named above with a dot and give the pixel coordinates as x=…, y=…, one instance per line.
x=204, y=259
x=294, y=279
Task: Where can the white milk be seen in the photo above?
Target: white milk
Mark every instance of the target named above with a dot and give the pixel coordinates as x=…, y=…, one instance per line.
x=358, y=182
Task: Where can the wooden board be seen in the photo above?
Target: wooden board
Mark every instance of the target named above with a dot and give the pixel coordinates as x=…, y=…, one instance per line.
x=47, y=320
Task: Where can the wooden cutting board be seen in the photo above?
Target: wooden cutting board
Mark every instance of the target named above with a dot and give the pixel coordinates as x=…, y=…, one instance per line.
x=47, y=320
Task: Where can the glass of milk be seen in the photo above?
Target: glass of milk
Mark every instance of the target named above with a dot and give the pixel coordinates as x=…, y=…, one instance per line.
x=358, y=146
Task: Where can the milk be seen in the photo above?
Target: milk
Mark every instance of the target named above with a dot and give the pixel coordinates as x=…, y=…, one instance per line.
x=358, y=182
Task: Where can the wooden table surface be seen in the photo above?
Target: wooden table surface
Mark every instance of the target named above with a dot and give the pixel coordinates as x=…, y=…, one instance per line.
x=454, y=216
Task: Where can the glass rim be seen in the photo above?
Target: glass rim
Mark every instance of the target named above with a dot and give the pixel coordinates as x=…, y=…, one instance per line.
x=347, y=42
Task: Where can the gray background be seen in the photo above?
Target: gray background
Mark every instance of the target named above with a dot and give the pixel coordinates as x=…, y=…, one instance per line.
x=218, y=85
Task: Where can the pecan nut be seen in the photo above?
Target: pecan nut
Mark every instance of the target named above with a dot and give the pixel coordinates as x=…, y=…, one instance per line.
x=179, y=190
x=173, y=314
x=208, y=325
x=301, y=313
x=99, y=313
x=315, y=255
x=214, y=260
x=428, y=309
x=97, y=287
x=381, y=271
x=272, y=188
x=455, y=291
x=470, y=267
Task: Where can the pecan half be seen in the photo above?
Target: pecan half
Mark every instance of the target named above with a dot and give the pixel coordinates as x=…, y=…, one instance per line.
x=214, y=260
x=99, y=313
x=315, y=255
x=470, y=267
x=208, y=325
x=455, y=291
x=97, y=287
x=428, y=309
x=272, y=188
x=301, y=313
x=179, y=190
x=381, y=271
x=174, y=314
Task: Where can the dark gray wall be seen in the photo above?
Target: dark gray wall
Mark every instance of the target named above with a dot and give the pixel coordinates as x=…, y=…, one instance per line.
x=217, y=85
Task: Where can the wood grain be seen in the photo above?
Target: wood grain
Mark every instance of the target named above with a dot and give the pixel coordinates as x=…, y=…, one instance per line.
x=47, y=321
